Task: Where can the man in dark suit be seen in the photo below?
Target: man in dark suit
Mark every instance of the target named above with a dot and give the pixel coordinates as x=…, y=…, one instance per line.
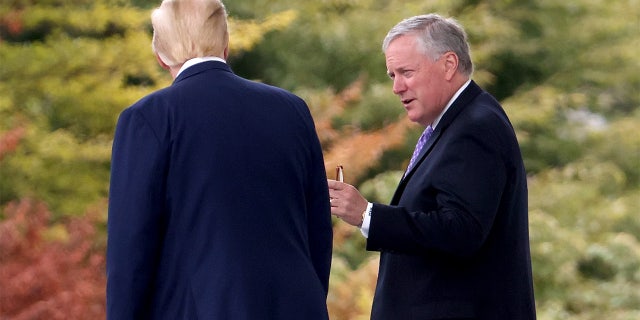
x=218, y=205
x=454, y=241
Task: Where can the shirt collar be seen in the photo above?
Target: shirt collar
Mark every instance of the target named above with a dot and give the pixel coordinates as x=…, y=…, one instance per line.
x=194, y=61
x=455, y=96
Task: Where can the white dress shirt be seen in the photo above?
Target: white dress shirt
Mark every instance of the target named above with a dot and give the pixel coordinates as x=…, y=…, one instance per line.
x=194, y=61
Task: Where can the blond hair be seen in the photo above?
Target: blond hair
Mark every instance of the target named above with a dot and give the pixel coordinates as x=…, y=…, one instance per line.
x=186, y=29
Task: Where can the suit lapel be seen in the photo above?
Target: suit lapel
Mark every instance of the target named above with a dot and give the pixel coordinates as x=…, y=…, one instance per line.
x=463, y=100
x=425, y=150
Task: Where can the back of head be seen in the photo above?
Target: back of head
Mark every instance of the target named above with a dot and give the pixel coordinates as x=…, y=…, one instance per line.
x=436, y=35
x=186, y=29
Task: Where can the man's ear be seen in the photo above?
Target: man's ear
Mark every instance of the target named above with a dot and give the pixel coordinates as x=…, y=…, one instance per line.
x=226, y=52
x=450, y=64
x=161, y=63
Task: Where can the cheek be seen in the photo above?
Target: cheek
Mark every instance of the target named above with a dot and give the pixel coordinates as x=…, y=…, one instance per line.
x=414, y=85
x=425, y=89
x=421, y=92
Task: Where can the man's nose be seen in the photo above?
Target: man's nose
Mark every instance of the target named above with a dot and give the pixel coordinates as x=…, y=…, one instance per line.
x=398, y=85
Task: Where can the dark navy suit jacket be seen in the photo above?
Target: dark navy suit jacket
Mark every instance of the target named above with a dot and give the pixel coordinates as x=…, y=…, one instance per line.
x=454, y=242
x=218, y=204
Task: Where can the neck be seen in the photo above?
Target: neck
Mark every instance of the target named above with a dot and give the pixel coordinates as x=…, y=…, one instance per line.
x=174, y=71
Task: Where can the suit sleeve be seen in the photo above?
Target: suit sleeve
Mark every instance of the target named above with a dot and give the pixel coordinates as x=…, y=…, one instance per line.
x=134, y=224
x=452, y=208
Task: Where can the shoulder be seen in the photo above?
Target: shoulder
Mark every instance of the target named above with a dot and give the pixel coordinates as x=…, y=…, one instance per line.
x=278, y=96
x=273, y=90
x=148, y=113
x=153, y=102
x=479, y=109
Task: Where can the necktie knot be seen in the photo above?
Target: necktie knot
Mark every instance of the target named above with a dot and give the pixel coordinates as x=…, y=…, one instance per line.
x=426, y=134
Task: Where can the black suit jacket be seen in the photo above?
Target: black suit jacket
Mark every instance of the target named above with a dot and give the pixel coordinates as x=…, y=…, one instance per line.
x=454, y=242
x=219, y=207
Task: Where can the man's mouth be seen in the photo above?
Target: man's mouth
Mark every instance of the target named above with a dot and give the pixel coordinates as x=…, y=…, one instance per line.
x=407, y=101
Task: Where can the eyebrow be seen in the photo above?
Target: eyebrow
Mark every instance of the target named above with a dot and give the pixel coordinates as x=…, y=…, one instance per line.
x=400, y=70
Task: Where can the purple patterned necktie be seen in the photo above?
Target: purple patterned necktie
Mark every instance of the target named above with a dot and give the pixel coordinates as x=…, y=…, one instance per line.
x=426, y=134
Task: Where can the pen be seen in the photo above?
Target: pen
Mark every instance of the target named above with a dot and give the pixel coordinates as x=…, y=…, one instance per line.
x=339, y=174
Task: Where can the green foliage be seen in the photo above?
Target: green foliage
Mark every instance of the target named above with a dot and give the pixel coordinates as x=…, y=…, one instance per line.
x=377, y=107
x=585, y=249
x=61, y=81
x=340, y=32
x=70, y=74
x=66, y=75
x=67, y=174
x=566, y=73
x=381, y=188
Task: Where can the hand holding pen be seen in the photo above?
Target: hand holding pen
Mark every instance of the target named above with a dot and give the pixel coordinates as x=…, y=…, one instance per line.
x=346, y=201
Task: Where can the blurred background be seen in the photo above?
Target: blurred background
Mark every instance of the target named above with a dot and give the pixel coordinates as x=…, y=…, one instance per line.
x=566, y=72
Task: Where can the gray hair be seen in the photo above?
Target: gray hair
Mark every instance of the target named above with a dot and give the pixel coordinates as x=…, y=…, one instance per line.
x=436, y=35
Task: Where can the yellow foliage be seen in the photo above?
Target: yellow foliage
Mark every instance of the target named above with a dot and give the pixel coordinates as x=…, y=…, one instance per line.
x=98, y=17
x=245, y=34
x=63, y=146
x=57, y=232
x=351, y=292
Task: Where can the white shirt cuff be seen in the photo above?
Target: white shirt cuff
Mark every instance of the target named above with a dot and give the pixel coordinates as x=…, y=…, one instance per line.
x=364, y=229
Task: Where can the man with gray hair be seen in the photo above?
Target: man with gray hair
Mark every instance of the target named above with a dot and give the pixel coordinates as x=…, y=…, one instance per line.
x=454, y=240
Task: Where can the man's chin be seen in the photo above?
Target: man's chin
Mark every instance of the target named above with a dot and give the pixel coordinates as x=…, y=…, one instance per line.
x=413, y=118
